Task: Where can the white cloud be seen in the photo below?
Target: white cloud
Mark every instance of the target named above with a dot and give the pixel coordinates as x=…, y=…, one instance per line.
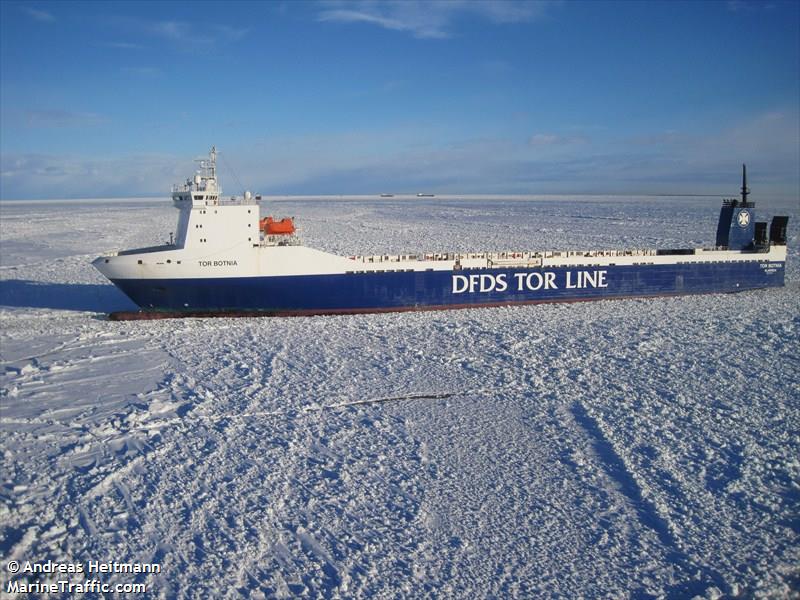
x=419, y=156
x=40, y=15
x=509, y=11
x=749, y=6
x=495, y=68
x=394, y=85
x=122, y=45
x=183, y=34
x=543, y=139
x=431, y=19
x=142, y=71
x=544, y=162
x=24, y=176
x=422, y=26
x=60, y=118
x=551, y=139
x=170, y=29
x=769, y=140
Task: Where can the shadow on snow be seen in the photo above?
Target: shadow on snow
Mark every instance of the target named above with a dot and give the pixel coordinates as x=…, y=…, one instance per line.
x=63, y=296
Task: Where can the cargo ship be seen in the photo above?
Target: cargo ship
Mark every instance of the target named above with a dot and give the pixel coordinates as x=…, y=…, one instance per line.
x=226, y=260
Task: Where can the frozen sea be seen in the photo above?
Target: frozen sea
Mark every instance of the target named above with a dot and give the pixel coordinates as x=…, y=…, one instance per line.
x=625, y=449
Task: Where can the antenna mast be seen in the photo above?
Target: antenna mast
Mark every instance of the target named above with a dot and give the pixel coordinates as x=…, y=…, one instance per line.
x=213, y=165
x=745, y=189
x=208, y=166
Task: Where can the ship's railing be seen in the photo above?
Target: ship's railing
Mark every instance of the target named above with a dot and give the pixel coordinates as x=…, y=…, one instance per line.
x=193, y=187
x=218, y=201
x=499, y=256
x=236, y=201
x=280, y=240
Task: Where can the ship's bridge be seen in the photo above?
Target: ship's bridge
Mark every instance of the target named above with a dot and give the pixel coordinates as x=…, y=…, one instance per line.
x=207, y=219
x=201, y=190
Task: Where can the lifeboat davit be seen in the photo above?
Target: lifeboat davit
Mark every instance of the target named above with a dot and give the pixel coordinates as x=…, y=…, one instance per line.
x=272, y=227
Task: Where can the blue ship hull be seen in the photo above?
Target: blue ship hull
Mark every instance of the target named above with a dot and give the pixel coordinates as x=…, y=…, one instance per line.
x=426, y=290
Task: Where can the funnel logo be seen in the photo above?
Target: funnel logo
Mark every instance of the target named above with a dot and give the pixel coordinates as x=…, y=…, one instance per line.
x=743, y=219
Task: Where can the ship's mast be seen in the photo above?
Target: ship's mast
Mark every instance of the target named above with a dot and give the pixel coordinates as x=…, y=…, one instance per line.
x=208, y=167
x=745, y=189
x=213, y=162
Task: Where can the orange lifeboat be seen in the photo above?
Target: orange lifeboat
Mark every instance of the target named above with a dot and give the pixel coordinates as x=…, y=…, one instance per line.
x=272, y=227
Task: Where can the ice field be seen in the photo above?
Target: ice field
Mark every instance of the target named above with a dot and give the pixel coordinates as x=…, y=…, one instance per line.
x=625, y=449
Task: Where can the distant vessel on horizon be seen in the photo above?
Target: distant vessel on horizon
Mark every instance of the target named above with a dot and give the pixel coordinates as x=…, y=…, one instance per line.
x=227, y=260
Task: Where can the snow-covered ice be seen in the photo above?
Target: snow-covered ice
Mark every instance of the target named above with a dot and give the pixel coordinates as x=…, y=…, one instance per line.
x=639, y=448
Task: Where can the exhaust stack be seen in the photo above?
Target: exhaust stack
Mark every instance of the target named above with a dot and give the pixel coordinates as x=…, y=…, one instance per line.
x=736, y=226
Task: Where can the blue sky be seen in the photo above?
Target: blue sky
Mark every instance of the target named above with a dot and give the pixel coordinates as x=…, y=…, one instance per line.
x=115, y=98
